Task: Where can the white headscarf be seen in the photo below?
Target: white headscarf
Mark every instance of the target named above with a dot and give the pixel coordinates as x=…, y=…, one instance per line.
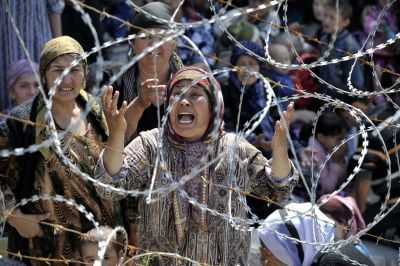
x=318, y=230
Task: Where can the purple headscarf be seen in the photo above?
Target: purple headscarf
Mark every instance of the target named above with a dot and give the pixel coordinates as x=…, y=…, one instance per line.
x=18, y=69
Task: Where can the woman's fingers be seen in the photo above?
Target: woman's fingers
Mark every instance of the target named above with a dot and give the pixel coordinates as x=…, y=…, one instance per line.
x=122, y=111
x=107, y=98
x=114, y=104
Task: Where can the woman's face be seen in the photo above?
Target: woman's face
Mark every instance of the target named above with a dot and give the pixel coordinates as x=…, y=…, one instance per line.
x=71, y=84
x=190, y=115
x=162, y=54
x=318, y=9
x=25, y=88
x=247, y=64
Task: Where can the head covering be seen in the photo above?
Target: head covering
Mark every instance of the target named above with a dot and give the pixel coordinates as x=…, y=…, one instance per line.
x=333, y=258
x=344, y=210
x=310, y=227
x=144, y=21
x=18, y=69
x=56, y=47
x=210, y=85
x=251, y=46
x=241, y=31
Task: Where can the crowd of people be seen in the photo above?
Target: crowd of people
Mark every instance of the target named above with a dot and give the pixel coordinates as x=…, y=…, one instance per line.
x=186, y=160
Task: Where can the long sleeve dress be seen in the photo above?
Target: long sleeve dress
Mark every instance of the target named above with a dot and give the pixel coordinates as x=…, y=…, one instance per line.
x=171, y=223
x=43, y=172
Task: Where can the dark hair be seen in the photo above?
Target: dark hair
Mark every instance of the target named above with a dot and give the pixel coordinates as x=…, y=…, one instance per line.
x=346, y=253
x=330, y=124
x=144, y=21
x=345, y=8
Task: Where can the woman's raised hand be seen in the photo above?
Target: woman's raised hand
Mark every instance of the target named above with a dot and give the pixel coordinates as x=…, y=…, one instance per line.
x=281, y=166
x=115, y=118
x=279, y=141
x=151, y=93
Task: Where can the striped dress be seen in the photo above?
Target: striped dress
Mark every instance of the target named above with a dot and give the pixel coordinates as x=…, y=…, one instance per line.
x=32, y=20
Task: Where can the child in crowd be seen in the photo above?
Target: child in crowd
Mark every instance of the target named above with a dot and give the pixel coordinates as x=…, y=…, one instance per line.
x=336, y=74
x=244, y=83
x=282, y=82
x=244, y=96
x=329, y=131
x=312, y=30
x=301, y=77
x=114, y=255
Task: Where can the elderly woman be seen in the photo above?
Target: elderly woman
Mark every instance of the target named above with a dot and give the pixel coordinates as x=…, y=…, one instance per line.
x=194, y=126
x=43, y=172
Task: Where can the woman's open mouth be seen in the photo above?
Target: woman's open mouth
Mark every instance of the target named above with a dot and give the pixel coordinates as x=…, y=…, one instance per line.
x=185, y=118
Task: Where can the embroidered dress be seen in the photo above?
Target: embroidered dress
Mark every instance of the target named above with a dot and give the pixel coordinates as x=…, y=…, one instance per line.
x=173, y=223
x=43, y=172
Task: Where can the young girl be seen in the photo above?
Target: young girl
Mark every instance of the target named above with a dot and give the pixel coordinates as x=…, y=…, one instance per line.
x=194, y=131
x=22, y=84
x=330, y=130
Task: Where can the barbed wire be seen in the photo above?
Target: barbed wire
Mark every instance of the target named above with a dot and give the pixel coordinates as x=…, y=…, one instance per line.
x=177, y=30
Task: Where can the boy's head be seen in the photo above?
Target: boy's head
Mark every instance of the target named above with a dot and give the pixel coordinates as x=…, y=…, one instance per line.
x=281, y=54
x=114, y=254
x=331, y=15
x=330, y=130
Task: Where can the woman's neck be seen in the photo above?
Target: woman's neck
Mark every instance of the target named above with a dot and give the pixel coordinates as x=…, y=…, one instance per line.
x=65, y=113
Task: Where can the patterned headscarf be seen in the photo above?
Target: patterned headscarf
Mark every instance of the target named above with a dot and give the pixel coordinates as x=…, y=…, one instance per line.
x=211, y=86
x=56, y=47
x=344, y=210
x=18, y=69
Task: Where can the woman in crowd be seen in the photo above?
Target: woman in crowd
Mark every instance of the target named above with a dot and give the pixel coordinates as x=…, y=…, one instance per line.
x=194, y=126
x=138, y=85
x=21, y=82
x=43, y=171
